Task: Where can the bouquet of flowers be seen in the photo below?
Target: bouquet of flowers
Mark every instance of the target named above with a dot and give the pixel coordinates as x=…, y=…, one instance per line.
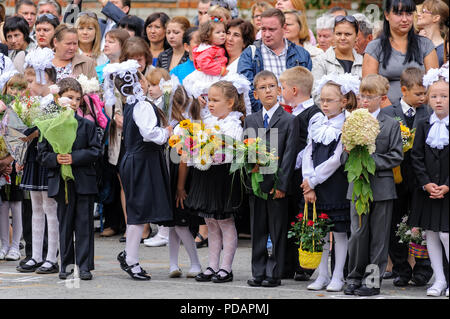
x=89, y=86
x=252, y=158
x=168, y=88
x=60, y=130
x=359, y=134
x=413, y=236
x=27, y=109
x=310, y=235
x=200, y=145
x=407, y=141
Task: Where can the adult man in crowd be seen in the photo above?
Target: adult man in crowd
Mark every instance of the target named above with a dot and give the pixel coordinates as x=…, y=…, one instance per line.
x=49, y=6
x=28, y=10
x=272, y=53
x=202, y=12
x=324, y=27
x=364, y=34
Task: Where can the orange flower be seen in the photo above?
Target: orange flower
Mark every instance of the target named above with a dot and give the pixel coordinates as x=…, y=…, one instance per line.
x=249, y=141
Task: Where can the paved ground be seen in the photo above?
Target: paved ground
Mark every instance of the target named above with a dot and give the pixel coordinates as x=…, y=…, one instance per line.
x=110, y=282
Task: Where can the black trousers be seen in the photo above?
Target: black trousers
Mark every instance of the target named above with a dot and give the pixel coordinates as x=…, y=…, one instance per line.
x=27, y=232
x=76, y=228
x=399, y=252
x=268, y=217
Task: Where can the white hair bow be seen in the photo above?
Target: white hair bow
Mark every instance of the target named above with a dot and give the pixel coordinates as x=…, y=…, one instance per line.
x=40, y=59
x=433, y=75
x=346, y=81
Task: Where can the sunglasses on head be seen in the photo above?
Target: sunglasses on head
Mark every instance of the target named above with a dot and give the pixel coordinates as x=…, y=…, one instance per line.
x=48, y=16
x=350, y=19
x=88, y=13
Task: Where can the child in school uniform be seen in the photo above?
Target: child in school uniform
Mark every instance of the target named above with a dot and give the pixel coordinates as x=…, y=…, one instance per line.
x=214, y=194
x=430, y=162
x=269, y=217
x=35, y=176
x=75, y=214
x=324, y=180
x=143, y=168
x=409, y=110
x=296, y=84
x=369, y=241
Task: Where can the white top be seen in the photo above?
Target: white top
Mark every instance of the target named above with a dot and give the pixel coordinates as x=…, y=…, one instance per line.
x=230, y=125
x=375, y=114
x=438, y=134
x=145, y=118
x=232, y=68
x=316, y=117
x=325, y=131
x=302, y=106
x=406, y=107
x=7, y=70
x=270, y=112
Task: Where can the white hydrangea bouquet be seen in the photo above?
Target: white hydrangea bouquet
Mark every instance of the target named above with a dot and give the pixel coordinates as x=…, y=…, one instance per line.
x=359, y=133
x=89, y=86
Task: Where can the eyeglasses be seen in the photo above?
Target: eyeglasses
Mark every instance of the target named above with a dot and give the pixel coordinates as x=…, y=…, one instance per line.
x=88, y=13
x=369, y=98
x=271, y=87
x=257, y=16
x=425, y=11
x=350, y=19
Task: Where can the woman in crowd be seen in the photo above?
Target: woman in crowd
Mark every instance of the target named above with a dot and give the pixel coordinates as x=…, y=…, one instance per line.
x=133, y=24
x=155, y=34
x=67, y=61
x=176, y=54
x=190, y=41
x=45, y=29
x=135, y=48
x=398, y=47
x=257, y=9
x=430, y=21
x=342, y=58
x=299, y=6
x=17, y=36
x=89, y=37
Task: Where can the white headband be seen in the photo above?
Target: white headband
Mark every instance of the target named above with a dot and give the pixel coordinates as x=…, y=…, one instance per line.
x=433, y=75
x=40, y=59
x=347, y=82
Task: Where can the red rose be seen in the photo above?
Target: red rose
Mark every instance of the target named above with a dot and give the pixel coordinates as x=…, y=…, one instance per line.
x=310, y=223
x=293, y=224
x=323, y=216
x=300, y=216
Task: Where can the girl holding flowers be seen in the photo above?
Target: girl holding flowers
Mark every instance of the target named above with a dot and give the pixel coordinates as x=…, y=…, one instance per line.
x=324, y=179
x=76, y=207
x=213, y=194
x=35, y=176
x=430, y=162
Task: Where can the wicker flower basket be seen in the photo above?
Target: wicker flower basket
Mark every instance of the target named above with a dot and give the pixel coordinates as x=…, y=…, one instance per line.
x=309, y=259
x=418, y=251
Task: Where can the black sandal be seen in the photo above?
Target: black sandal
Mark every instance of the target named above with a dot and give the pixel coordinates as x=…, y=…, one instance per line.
x=53, y=269
x=27, y=268
x=142, y=275
x=202, y=277
x=219, y=279
x=202, y=241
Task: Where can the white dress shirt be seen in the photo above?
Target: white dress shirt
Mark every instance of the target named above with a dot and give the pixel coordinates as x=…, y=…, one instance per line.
x=270, y=112
x=406, y=107
x=145, y=118
x=302, y=106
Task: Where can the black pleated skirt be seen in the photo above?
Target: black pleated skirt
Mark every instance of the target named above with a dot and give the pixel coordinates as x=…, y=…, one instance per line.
x=429, y=214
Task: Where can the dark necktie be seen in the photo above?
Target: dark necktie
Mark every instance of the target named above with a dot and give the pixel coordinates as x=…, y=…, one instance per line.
x=410, y=112
x=266, y=121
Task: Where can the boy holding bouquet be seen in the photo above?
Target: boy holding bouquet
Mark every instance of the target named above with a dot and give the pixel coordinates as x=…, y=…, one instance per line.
x=369, y=240
x=409, y=110
x=269, y=217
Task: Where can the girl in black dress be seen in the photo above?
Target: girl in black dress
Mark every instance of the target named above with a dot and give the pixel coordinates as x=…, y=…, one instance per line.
x=143, y=167
x=430, y=162
x=324, y=179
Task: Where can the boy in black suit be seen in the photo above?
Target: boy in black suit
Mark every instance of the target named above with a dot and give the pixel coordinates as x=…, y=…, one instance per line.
x=409, y=110
x=75, y=216
x=269, y=217
x=297, y=84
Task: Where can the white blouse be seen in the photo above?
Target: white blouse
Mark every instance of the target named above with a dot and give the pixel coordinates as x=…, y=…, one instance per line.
x=323, y=131
x=145, y=118
x=438, y=135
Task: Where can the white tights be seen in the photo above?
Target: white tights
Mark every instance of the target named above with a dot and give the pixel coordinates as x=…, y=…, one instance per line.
x=434, y=247
x=340, y=248
x=43, y=206
x=177, y=235
x=16, y=212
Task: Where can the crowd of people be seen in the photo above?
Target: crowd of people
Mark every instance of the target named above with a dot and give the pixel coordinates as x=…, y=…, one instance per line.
x=269, y=73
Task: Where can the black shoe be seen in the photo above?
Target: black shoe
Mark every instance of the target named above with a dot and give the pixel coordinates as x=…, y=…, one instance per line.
x=219, y=279
x=85, y=275
x=271, y=282
x=301, y=276
x=203, y=241
x=255, y=282
x=419, y=280
x=27, y=268
x=401, y=282
x=53, y=269
x=365, y=291
x=121, y=257
x=142, y=275
x=142, y=239
x=21, y=246
x=63, y=275
x=123, y=239
x=202, y=277
x=24, y=261
x=350, y=289
x=388, y=275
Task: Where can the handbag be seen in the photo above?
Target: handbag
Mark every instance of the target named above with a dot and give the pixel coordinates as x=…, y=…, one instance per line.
x=309, y=259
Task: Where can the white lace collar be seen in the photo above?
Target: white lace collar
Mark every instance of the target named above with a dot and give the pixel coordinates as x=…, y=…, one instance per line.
x=230, y=125
x=438, y=135
x=326, y=130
